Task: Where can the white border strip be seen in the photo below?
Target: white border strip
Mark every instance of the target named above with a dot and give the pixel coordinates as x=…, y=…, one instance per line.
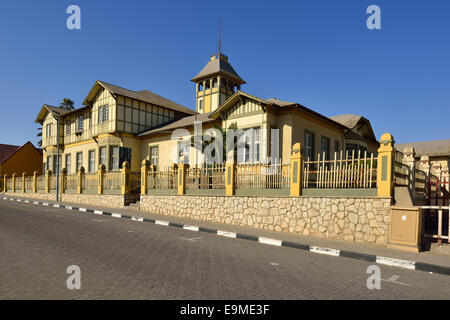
x=192, y=228
x=327, y=251
x=396, y=263
x=116, y=215
x=273, y=242
x=226, y=234
x=162, y=223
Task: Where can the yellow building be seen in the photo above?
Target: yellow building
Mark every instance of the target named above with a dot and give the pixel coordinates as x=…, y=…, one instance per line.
x=118, y=124
x=20, y=159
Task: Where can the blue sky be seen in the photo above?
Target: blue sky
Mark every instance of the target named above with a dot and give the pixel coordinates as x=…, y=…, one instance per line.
x=318, y=53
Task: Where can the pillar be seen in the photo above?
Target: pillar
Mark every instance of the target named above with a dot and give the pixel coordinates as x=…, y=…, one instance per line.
x=296, y=170
x=144, y=176
x=35, y=181
x=230, y=174
x=100, y=178
x=5, y=180
x=24, y=177
x=182, y=167
x=385, y=172
x=13, y=183
x=80, y=174
x=125, y=178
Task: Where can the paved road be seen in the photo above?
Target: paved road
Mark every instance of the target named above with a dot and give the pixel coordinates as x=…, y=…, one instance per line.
x=121, y=259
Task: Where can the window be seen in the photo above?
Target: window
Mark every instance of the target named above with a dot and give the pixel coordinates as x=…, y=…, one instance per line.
x=103, y=113
x=309, y=146
x=79, y=161
x=200, y=87
x=91, y=165
x=114, y=160
x=80, y=124
x=208, y=84
x=325, y=148
x=336, y=147
x=48, y=130
x=56, y=168
x=154, y=153
x=200, y=105
x=102, y=155
x=249, y=146
x=68, y=163
x=215, y=83
x=49, y=164
x=68, y=128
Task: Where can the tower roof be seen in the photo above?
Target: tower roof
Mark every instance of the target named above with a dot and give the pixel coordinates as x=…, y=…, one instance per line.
x=218, y=64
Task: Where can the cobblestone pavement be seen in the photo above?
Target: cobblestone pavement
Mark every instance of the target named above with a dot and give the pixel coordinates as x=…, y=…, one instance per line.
x=121, y=259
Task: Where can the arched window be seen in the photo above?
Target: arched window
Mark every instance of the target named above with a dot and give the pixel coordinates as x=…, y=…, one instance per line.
x=200, y=87
x=208, y=85
x=214, y=83
x=223, y=83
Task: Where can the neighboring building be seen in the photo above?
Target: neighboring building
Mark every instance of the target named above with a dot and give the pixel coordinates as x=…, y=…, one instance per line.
x=438, y=151
x=118, y=124
x=359, y=134
x=19, y=159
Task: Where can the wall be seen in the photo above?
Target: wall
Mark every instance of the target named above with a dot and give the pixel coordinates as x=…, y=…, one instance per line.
x=364, y=219
x=27, y=159
x=104, y=200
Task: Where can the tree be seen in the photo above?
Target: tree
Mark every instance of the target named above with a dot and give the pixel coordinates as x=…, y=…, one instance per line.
x=67, y=104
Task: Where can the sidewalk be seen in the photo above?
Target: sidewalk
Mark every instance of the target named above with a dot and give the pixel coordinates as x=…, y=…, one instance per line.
x=440, y=257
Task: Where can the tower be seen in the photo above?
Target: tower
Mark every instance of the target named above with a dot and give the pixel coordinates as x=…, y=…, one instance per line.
x=215, y=83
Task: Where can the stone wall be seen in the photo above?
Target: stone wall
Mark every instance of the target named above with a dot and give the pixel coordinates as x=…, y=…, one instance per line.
x=104, y=200
x=364, y=219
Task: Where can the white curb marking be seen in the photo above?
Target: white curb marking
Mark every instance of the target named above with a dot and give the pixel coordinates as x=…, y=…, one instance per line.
x=98, y=212
x=396, y=263
x=69, y=207
x=226, y=234
x=137, y=219
x=273, y=242
x=327, y=251
x=82, y=209
x=192, y=228
x=116, y=215
x=162, y=223
x=56, y=205
x=45, y=204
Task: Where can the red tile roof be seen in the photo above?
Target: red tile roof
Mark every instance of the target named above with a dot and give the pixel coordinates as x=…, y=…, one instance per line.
x=7, y=150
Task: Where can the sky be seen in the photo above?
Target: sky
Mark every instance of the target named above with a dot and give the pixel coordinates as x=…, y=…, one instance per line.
x=318, y=53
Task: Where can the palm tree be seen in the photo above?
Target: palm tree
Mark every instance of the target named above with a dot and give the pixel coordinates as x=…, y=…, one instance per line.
x=39, y=135
x=67, y=104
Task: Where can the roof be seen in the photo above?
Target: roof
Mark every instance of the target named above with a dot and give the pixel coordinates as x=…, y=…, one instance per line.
x=349, y=120
x=218, y=64
x=274, y=102
x=143, y=95
x=46, y=108
x=183, y=122
x=429, y=148
x=7, y=151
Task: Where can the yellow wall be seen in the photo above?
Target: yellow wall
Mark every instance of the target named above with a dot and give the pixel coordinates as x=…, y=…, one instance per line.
x=27, y=159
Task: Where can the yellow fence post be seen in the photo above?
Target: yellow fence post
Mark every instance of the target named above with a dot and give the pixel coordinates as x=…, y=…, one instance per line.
x=385, y=172
x=296, y=170
x=35, y=181
x=62, y=178
x=100, y=178
x=5, y=180
x=24, y=176
x=230, y=174
x=182, y=178
x=80, y=180
x=125, y=178
x=14, y=182
x=48, y=181
x=144, y=176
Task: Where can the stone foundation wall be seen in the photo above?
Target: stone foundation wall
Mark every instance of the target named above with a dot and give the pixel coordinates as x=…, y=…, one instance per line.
x=364, y=219
x=104, y=200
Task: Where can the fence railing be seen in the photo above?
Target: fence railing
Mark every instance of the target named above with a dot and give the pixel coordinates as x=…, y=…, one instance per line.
x=259, y=176
x=436, y=222
x=206, y=177
x=165, y=178
x=347, y=171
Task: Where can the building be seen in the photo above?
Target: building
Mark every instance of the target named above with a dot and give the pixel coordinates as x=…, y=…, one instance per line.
x=19, y=159
x=117, y=124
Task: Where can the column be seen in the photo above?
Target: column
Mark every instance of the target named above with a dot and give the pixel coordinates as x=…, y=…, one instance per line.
x=385, y=172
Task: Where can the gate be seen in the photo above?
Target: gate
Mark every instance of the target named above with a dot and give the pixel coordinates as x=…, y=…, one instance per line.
x=438, y=192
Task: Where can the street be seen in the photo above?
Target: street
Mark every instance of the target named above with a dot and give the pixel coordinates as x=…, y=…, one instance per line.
x=124, y=259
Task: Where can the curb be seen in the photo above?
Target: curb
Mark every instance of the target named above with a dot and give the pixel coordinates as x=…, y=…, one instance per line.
x=405, y=264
